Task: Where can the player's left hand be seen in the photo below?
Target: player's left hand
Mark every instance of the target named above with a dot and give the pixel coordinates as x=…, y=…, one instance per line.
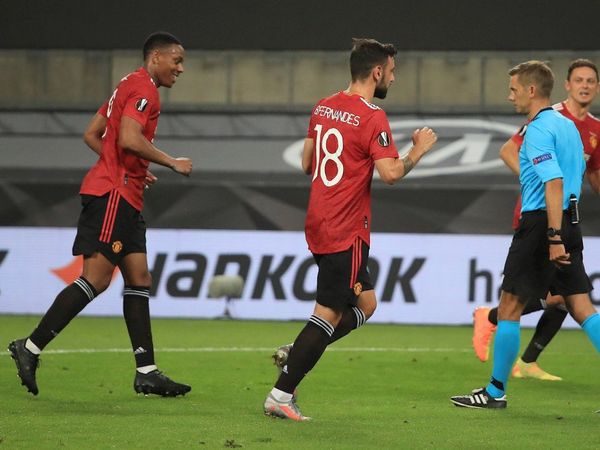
x=150, y=179
x=558, y=255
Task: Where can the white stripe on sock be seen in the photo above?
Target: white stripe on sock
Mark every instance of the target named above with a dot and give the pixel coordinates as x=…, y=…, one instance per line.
x=326, y=326
x=85, y=288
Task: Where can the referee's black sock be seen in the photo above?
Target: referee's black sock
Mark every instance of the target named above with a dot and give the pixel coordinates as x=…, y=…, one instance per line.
x=308, y=348
x=136, y=312
x=530, y=306
x=534, y=305
x=493, y=315
x=546, y=329
x=68, y=303
x=352, y=318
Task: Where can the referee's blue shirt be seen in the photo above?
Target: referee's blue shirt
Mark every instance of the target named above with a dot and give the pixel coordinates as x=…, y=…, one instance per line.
x=552, y=149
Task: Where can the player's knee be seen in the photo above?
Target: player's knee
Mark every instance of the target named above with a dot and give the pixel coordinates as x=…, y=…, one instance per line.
x=141, y=279
x=100, y=284
x=367, y=303
x=369, y=308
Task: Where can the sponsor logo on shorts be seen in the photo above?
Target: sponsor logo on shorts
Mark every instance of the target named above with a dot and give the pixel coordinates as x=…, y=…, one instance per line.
x=141, y=104
x=358, y=289
x=117, y=246
x=542, y=158
x=383, y=139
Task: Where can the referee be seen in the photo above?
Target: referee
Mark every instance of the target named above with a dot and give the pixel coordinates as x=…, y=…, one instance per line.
x=546, y=251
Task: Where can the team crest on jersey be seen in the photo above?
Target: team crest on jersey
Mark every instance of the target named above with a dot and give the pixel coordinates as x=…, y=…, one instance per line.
x=117, y=246
x=383, y=139
x=593, y=141
x=357, y=289
x=141, y=104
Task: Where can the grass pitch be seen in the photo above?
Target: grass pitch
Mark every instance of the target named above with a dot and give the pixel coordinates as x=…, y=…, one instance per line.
x=384, y=386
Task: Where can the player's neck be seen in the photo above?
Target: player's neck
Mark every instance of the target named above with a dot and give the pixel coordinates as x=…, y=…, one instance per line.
x=152, y=75
x=361, y=89
x=577, y=110
x=536, y=106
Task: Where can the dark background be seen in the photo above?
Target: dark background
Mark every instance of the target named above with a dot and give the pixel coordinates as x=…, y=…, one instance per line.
x=303, y=25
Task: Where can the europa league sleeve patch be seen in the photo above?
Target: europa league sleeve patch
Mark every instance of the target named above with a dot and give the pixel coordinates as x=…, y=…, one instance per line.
x=141, y=104
x=383, y=139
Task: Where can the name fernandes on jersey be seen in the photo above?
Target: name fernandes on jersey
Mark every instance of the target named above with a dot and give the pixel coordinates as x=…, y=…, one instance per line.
x=337, y=115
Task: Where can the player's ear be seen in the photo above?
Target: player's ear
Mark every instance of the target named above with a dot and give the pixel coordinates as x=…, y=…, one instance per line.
x=377, y=73
x=155, y=56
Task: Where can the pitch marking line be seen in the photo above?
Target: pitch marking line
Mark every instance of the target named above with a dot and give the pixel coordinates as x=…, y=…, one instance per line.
x=255, y=349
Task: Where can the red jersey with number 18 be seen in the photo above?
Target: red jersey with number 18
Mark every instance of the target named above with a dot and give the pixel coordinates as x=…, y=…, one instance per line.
x=136, y=97
x=349, y=135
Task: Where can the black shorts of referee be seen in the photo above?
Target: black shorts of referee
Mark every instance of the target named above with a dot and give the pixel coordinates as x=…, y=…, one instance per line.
x=343, y=276
x=528, y=272
x=111, y=226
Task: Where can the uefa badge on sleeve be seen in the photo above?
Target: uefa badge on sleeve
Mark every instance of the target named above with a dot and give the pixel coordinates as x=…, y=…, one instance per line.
x=383, y=139
x=141, y=104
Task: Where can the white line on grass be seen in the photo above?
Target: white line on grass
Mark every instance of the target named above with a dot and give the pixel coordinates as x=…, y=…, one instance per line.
x=257, y=350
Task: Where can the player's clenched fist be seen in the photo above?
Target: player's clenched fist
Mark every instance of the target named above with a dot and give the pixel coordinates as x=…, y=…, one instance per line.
x=182, y=166
x=424, y=138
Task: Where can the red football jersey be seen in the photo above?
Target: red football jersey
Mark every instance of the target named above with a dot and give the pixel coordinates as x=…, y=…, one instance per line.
x=349, y=135
x=589, y=129
x=136, y=97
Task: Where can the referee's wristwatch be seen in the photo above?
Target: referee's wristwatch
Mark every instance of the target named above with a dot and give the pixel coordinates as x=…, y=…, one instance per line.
x=553, y=232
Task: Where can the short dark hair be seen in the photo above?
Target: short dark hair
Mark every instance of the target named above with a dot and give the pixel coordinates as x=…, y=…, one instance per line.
x=581, y=62
x=366, y=54
x=159, y=39
x=537, y=73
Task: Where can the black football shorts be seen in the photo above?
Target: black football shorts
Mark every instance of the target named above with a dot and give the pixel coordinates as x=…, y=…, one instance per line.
x=530, y=274
x=343, y=276
x=111, y=226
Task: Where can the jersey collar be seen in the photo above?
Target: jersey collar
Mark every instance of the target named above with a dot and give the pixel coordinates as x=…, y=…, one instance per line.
x=547, y=108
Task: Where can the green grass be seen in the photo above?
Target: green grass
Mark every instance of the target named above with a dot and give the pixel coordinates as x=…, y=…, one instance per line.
x=359, y=399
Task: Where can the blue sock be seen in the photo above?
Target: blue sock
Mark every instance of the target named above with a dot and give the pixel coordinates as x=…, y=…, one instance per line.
x=506, y=349
x=591, y=326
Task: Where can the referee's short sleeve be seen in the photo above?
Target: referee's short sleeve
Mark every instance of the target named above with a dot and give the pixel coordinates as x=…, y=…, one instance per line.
x=540, y=150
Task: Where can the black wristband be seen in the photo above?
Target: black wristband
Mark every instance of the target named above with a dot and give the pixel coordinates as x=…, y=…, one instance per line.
x=555, y=242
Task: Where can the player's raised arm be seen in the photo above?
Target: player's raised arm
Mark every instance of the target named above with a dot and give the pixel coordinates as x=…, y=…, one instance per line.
x=132, y=139
x=92, y=135
x=392, y=169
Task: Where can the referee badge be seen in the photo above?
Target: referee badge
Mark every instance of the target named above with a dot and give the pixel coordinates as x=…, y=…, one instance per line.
x=117, y=246
x=357, y=289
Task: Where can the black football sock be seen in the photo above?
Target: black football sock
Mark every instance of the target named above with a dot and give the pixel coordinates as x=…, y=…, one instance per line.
x=308, y=348
x=493, y=315
x=530, y=306
x=137, y=318
x=352, y=318
x=546, y=329
x=68, y=303
x=533, y=306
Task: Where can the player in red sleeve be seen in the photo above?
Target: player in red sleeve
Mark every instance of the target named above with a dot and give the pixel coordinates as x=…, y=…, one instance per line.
x=111, y=231
x=347, y=138
x=582, y=86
